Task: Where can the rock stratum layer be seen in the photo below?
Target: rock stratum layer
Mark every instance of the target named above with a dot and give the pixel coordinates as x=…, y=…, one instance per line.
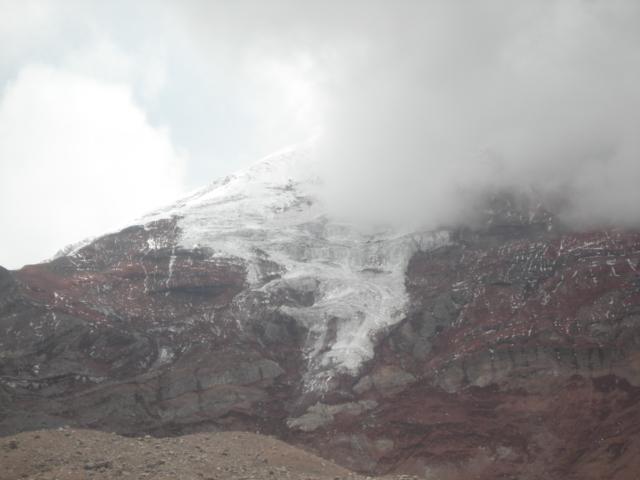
x=511, y=350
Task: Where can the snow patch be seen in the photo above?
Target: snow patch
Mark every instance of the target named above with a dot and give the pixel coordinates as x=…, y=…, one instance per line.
x=172, y=261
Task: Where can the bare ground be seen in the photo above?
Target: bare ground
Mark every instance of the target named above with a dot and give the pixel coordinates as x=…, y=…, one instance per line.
x=70, y=454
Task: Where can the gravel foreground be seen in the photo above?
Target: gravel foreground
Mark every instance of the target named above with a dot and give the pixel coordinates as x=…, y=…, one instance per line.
x=70, y=454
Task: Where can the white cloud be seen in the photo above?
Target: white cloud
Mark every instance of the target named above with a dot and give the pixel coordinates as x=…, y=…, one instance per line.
x=25, y=21
x=102, y=59
x=426, y=105
x=423, y=105
x=77, y=158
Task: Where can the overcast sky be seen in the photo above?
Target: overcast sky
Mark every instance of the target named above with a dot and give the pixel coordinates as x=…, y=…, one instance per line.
x=111, y=108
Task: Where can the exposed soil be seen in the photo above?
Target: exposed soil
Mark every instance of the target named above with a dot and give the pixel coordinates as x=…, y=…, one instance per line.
x=70, y=454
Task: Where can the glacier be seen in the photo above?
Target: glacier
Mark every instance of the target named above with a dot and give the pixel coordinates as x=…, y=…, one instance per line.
x=274, y=209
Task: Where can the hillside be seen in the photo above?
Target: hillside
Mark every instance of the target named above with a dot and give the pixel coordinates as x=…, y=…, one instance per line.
x=70, y=454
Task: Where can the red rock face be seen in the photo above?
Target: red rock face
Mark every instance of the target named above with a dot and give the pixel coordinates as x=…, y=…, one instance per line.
x=518, y=357
x=522, y=360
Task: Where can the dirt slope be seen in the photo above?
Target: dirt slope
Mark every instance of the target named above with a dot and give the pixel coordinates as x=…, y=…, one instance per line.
x=70, y=454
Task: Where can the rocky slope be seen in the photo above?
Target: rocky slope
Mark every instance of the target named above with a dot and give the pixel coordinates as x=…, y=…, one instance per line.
x=506, y=351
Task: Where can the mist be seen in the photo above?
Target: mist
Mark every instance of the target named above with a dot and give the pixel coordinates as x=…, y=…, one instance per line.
x=426, y=106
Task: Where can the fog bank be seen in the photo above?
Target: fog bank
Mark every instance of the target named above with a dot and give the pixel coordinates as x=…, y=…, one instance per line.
x=426, y=105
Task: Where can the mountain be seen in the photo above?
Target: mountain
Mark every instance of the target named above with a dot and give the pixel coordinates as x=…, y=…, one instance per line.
x=507, y=350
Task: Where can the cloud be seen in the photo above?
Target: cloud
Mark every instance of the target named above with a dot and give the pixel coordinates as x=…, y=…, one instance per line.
x=23, y=24
x=430, y=116
x=426, y=106
x=78, y=157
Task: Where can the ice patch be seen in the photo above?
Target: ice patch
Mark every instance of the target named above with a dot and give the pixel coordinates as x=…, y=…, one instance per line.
x=165, y=355
x=172, y=261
